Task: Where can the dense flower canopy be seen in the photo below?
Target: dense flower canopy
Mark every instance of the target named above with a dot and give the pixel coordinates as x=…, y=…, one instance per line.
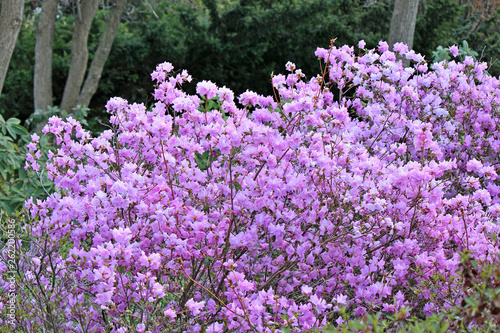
x=356, y=189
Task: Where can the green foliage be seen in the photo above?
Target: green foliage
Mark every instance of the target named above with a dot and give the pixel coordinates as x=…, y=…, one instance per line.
x=12, y=127
x=482, y=31
x=249, y=40
x=443, y=53
x=16, y=99
x=398, y=323
x=436, y=22
x=203, y=160
x=17, y=184
x=481, y=305
x=10, y=153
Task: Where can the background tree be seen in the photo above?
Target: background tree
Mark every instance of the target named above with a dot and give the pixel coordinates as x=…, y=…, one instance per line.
x=42, y=85
x=481, y=28
x=73, y=94
x=86, y=11
x=404, y=19
x=11, y=17
x=102, y=53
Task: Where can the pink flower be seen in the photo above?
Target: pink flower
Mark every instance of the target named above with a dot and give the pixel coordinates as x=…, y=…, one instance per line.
x=215, y=328
x=248, y=97
x=122, y=235
x=104, y=298
x=341, y=299
x=383, y=46
x=35, y=138
x=429, y=309
x=454, y=50
x=170, y=313
x=400, y=48
x=474, y=165
x=306, y=290
x=195, y=307
x=320, y=303
x=279, y=204
x=225, y=94
x=155, y=261
x=206, y=88
x=158, y=290
x=399, y=298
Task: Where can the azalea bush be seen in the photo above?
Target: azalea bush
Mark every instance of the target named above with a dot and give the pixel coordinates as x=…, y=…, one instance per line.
x=342, y=196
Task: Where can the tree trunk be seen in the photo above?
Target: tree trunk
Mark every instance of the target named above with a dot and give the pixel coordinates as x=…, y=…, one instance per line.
x=11, y=17
x=79, y=53
x=404, y=19
x=42, y=87
x=102, y=53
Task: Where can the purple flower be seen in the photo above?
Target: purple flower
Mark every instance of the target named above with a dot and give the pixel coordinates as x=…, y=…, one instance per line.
x=341, y=299
x=170, y=313
x=140, y=328
x=195, y=307
x=206, y=88
x=383, y=46
x=104, y=298
x=122, y=235
x=215, y=328
x=225, y=94
x=454, y=50
x=319, y=303
x=306, y=290
x=400, y=48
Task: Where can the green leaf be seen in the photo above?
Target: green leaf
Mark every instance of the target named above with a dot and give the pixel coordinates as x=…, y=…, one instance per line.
x=6, y=208
x=18, y=129
x=14, y=121
x=206, y=208
x=202, y=160
x=440, y=54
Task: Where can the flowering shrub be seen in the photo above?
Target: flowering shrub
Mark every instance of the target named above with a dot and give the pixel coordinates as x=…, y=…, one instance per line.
x=354, y=190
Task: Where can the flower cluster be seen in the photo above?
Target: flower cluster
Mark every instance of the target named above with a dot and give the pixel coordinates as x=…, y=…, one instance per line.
x=354, y=189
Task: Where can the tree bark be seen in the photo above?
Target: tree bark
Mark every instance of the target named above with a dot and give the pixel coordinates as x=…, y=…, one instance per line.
x=79, y=53
x=102, y=53
x=11, y=18
x=404, y=19
x=42, y=87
